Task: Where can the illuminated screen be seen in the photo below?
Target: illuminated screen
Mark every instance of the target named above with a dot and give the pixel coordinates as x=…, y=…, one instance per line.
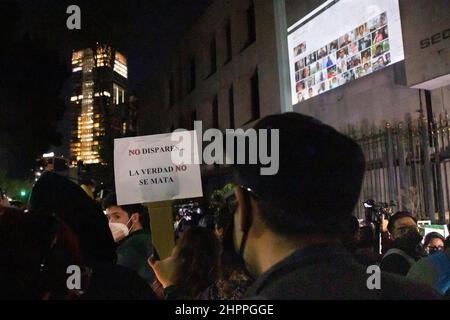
x=341, y=41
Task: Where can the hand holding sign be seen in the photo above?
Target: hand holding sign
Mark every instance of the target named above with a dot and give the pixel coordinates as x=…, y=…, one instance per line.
x=164, y=270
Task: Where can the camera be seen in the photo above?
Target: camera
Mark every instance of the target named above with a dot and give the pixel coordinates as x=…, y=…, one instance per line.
x=376, y=210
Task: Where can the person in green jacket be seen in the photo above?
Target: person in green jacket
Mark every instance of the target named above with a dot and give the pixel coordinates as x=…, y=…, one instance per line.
x=130, y=227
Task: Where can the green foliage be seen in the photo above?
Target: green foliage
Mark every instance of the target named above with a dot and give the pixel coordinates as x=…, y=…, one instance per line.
x=217, y=202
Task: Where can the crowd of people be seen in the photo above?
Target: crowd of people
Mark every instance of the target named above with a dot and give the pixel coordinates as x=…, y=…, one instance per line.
x=285, y=236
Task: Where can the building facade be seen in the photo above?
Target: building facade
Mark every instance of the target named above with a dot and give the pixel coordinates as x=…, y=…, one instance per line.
x=99, y=104
x=222, y=72
x=225, y=72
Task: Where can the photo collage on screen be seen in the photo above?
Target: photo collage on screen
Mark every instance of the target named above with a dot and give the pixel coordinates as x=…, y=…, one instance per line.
x=355, y=54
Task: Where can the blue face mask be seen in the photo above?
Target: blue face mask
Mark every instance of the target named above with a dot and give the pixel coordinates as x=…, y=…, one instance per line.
x=433, y=250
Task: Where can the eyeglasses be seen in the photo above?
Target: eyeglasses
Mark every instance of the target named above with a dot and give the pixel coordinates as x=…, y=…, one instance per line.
x=436, y=248
x=230, y=198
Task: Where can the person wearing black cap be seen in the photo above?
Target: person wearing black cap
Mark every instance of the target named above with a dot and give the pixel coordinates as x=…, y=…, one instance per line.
x=287, y=227
x=406, y=248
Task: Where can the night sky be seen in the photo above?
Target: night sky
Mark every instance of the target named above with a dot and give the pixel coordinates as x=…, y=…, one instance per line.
x=145, y=31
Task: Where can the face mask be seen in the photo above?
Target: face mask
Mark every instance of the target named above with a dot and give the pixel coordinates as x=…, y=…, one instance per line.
x=233, y=256
x=433, y=250
x=119, y=230
x=230, y=256
x=409, y=240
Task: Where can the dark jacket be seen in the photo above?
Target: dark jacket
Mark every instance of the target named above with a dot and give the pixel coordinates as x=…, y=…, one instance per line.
x=133, y=252
x=397, y=261
x=112, y=282
x=329, y=272
x=55, y=194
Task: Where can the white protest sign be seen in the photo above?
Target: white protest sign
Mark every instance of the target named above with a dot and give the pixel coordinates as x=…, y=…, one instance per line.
x=144, y=170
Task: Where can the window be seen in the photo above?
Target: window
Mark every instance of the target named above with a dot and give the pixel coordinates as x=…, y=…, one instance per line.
x=254, y=89
x=120, y=65
x=118, y=94
x=215, y=112
x=231, y=106
x=251, y=25
x=192, y=74
x=213, y=56
x=228, y=39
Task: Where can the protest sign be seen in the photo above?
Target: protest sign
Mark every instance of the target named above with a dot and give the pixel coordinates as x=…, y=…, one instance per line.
x=145, y=172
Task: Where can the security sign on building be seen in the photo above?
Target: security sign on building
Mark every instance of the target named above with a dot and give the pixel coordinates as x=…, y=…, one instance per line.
x=426, y=38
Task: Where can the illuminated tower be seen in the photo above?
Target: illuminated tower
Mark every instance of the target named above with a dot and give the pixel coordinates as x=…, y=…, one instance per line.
x=99, y=103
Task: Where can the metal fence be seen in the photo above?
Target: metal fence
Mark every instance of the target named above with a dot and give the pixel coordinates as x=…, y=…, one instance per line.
x=407, y=163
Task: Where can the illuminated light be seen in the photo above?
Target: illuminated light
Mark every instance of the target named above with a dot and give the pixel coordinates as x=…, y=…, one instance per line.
x=75, y=98
x=103, y=56
x=106, y=93
x=48, y=155
x=77, y=55
x=77, y=69
x=118, y=94
x=120, y=65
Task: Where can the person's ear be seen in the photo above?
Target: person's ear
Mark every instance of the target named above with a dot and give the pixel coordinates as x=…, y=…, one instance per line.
x=135, y=217
x=243, y=209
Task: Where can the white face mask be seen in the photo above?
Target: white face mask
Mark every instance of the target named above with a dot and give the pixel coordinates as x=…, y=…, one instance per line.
x=119, y=230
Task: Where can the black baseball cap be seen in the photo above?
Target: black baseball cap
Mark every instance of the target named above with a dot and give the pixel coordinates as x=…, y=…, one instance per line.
x=319, y=178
